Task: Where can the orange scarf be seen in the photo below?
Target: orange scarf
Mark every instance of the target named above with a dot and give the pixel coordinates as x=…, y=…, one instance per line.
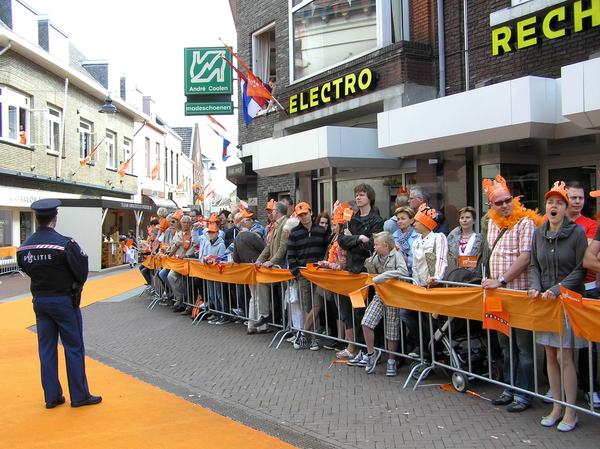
x=519, y=212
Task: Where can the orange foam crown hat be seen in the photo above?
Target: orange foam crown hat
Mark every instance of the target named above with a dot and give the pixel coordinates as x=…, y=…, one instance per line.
x=492, y=188
x=558, y=189
x=426, y=216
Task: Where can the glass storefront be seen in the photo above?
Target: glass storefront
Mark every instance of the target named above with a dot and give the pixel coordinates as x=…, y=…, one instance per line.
x=6, y=228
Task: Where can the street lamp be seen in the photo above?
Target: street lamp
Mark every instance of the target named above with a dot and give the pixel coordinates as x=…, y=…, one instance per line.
x=108, y=107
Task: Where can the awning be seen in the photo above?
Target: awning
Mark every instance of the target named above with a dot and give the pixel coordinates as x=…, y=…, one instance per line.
x=328, y=146
x=162, y=202
x=527, y=107
x=105, y=204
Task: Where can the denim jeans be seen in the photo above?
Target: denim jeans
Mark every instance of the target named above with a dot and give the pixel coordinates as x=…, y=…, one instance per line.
x=522, y=373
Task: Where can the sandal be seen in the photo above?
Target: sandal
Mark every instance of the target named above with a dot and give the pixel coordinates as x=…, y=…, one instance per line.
x=345, y=354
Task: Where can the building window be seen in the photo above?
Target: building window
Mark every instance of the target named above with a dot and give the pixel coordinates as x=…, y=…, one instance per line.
x=263, y=53
x=109, y=146
x=128, y=147
x=85, y=140
x=14, y=109
x=329, y=33
x=54, y=118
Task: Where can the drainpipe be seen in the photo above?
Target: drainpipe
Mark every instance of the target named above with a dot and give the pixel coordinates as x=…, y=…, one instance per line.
x=442, y=47
x=466, y=28
x=5, y=49
x=61, y=144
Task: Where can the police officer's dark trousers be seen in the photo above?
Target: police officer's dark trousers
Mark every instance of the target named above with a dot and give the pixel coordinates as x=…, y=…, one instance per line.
x=57, y=316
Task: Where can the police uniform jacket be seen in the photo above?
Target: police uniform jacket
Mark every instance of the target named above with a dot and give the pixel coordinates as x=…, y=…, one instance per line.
x=53, y=262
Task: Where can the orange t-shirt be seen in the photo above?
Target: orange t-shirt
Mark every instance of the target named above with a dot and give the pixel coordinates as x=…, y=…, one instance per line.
x=163, y=225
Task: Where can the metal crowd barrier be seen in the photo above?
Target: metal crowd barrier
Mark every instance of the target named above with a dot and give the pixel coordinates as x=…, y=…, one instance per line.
x=461, y=348
x=8, y=261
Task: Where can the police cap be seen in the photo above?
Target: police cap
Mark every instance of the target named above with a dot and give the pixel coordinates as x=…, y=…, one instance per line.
x=45, y=208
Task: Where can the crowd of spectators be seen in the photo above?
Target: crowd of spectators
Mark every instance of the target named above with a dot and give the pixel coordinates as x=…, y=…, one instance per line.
x=517, y=249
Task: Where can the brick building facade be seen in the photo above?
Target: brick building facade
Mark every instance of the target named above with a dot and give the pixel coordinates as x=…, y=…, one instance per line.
x=513, y=94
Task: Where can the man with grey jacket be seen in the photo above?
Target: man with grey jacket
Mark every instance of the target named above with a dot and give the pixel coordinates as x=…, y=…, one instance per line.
x=273, y=254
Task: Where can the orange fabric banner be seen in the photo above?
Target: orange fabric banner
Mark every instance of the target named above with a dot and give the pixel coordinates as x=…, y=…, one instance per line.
x=8, y=251
x=462, y=302
x=269, y=275
x=467, y=302
x=586, y=321
x=341, y=282
x=176, y=264
x=232, y=274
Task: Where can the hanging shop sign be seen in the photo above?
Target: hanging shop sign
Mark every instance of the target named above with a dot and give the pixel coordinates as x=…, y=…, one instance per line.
x=555, y=23
x=333, y=90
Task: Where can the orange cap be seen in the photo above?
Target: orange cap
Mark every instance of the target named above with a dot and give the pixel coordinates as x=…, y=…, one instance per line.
x=595, y=193
x=212, y=228
x=271, y=205
x=213, y=218
x=302, y=208
x=243, y=214
x=178, y=214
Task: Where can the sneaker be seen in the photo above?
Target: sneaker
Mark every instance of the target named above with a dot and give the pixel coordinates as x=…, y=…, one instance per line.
x=595, y=399
x=416, y=353
x=292, y=339
x=238, y=312
x=372, y=360
x=214, y=320
x=547, y=397
x=359, y=360
x=344, y=354
x=335, y=345
x=223, y=320
x=392, y=369
x=314, y=345
x=301, y=342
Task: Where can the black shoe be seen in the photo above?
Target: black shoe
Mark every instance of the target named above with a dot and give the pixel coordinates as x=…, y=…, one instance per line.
x=262, y=320
x=179, y=308
x=55, y=403
x=92, y=400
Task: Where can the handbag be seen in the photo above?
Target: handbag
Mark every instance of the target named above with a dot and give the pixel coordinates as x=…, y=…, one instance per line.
x=292, y=294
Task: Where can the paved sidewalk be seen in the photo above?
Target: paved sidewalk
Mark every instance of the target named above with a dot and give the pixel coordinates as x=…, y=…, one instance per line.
x=300, y=396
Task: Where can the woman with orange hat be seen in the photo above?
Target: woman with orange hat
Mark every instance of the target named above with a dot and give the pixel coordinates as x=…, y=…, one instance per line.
x=557, y=250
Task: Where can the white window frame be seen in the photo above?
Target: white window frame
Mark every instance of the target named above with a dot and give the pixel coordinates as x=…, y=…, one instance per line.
x=258, y=50
x=128, y=149
x=11, y=100
x=86, y=143
x=384, y=33
x=110, y=149
x=54, y=130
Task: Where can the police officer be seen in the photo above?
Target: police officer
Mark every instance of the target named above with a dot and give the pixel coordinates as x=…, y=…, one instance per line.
x=58, y=268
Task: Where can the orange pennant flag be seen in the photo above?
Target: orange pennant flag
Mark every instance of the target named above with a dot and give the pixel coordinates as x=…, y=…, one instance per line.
x=570, y=297
x=180, y=186
x=197, y=184
x=499, y=321
x=86, y=159
x=216, y=122
x=125, y=166
x=154, y=172
x=255, y=88
x=358, y=298
x=348, y=214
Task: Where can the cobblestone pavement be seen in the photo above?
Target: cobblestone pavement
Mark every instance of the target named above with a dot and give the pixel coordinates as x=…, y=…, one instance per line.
x=300, y=396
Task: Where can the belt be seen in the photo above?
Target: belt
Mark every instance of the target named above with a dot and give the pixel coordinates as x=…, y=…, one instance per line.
x=590, y=285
